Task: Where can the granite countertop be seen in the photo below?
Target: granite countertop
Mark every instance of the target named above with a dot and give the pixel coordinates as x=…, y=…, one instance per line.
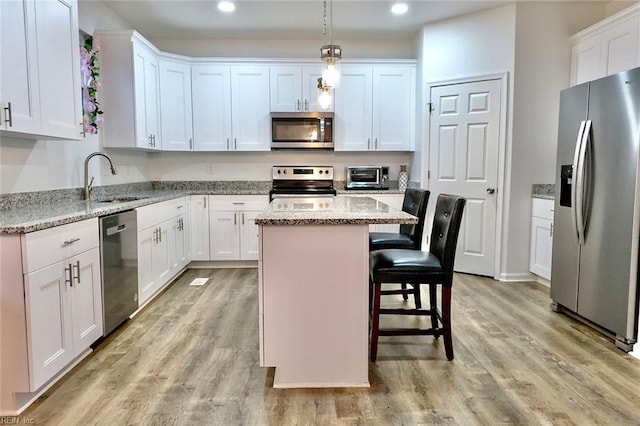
x=331, y=211
x=545, y=191
x=29, y=217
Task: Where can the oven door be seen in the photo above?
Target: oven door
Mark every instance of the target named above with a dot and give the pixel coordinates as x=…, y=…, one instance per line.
x=364, y=177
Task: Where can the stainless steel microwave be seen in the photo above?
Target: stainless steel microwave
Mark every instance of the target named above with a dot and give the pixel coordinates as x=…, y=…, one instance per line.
x=367, y=177
x=301, y=130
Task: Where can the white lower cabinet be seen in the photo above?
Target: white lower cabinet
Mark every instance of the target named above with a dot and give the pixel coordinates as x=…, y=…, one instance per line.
x=199, y=223
x=541, y=237
x=233, y=232
x=51, y=303
x=162, y=245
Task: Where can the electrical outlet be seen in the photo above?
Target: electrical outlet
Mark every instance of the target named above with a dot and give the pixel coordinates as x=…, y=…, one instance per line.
x=210, y=169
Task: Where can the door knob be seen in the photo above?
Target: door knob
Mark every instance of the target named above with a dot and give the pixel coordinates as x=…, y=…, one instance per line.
x=491, y=190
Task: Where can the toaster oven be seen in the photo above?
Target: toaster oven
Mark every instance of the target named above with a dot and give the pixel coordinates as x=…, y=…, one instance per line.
x=367, y=177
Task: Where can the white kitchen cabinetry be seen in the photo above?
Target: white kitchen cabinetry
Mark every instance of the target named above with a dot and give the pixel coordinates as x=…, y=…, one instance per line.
x=129, y=70
x=211, y=88
x=231, y=108
x=199, y=222
x=40, y=92
x=233, y=232
x=295, y=88
x=62, y=296
x=541, y=237
x=162, y=244
x=606, y=48
x=175, y=105
x=374, y=108
x=251, y=119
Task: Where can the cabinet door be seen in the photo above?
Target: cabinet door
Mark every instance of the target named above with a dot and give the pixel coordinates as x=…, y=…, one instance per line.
x=178, y=245
x=211, y=87
x=585, y=60
x=199, y=224
x=541, y=243
x=85, y=300
x=620, y=47
x=250, y=105
x=58, y=64
x=392, y=108
x=224, y=238
x=310, y=75
x=352, y=129
x=175, y=106
x=248, y=235
x=50, y=340
x=164, y=254
x=146, y=280
x=145, y=66
x=18, y=75
x=286, y=88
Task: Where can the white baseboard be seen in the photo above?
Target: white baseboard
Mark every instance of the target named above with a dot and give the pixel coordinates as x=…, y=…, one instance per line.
x=518, y=277
x=221, y=264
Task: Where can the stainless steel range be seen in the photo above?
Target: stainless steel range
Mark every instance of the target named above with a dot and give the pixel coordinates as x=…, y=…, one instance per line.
x=302, y=181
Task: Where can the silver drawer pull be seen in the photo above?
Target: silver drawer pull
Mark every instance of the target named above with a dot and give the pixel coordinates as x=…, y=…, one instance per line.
x=69, y=242
x=238, y=204
x=77, y=266
x=70, y=279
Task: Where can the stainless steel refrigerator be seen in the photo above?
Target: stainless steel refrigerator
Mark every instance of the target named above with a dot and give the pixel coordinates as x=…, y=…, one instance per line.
x=597, y=207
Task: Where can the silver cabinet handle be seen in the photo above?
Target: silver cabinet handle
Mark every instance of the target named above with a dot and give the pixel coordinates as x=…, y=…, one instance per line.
x=205, y=201
x=70, y=279
x=298, y=105
x=375, y=145
x=306, y=105
x=159, y=234
x=368, y=143
x=238, y=203
x=77, y=266
x=242, y=218
x=69, y=242
x=190, y=143
x=235, y=143
x=235, y=220
x=8, y=117
x=491, y=190
x=551, y=230
x=155, y=235
x=227, y=144
x=151, y=141
x=82, y=132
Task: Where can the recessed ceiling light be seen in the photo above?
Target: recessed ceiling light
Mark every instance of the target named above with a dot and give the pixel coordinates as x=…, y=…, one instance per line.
x=399, y=8
x=226, y=6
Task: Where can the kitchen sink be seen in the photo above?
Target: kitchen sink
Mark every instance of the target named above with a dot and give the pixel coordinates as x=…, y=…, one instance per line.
x=120, y=199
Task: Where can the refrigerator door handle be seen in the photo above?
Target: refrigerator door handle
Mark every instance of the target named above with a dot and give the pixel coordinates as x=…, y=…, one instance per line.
x=574, y=183
x=580, y=179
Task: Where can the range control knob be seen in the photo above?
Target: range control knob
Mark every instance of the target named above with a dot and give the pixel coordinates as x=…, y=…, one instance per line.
x=326, y=171
x=279, y=171
x=285, y=172
x=320, y=172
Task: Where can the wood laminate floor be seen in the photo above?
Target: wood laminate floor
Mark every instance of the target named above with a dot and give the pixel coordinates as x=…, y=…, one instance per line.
x=191, y=357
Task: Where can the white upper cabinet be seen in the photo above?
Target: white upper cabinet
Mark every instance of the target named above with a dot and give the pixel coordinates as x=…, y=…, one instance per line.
x=251, y=119
x=607, y=47
x=130, y=96
x=40, y=85
x=374, y=107
x=175, y=105
x=295, y=88
x=211, y=88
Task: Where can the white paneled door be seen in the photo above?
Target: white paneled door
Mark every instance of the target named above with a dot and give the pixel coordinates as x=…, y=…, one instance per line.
x=463, y=160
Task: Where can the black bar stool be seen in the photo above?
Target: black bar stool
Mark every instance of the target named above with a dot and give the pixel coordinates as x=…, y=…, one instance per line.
x=417, y=267
x=410, y=236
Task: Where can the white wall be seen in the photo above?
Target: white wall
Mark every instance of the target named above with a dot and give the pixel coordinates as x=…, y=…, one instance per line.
x=530, y=42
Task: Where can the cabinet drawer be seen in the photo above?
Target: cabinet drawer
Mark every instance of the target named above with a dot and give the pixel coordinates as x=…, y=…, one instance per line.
x=42, y=248
x=238, y=202
x=153, y=214
x=542, y=208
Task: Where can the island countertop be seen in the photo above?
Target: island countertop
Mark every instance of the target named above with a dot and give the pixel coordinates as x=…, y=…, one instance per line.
x=343, y=210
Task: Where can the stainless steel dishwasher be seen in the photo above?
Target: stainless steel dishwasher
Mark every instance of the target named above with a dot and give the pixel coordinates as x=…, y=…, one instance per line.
x=119, y=258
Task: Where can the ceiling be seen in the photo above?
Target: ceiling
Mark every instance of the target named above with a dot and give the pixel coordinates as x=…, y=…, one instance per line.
x=286, y=20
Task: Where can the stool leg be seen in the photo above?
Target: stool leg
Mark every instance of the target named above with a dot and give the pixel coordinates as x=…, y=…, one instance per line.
x=375, y=320
x=446, y=321
x=416, y=296
x=404, y=287
x=433, y=305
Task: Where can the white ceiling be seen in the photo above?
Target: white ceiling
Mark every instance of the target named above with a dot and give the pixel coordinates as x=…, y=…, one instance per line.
x=286, y=20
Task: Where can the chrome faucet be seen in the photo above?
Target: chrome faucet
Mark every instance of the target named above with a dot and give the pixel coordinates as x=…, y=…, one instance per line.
x=87, y=184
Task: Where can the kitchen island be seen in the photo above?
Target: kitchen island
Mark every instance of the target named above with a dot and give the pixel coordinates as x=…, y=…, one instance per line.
x=313, y=288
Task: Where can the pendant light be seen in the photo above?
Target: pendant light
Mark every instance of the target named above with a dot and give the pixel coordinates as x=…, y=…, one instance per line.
x=329, y=53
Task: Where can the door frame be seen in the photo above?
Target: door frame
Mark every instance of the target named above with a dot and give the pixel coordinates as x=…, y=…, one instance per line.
x=502, y=196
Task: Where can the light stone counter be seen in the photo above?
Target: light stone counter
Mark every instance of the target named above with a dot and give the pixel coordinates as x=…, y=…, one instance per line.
x=344, y=210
